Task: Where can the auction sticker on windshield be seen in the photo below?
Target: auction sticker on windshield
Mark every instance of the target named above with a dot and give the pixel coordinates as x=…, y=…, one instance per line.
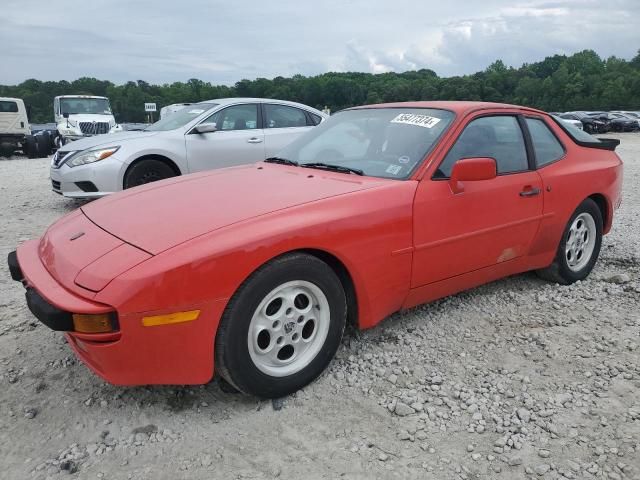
x=425, y=121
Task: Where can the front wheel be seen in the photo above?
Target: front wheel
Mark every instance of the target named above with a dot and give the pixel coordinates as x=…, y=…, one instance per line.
x=147, y=171
x=282, y=327
x=579, y=248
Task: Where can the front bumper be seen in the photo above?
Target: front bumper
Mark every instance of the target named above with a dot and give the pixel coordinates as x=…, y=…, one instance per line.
x=180, y=354
x=52, y=317
x=87, y=181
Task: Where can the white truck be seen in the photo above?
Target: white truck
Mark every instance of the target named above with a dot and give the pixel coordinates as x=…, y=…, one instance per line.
x=15, y=132
x=81, y=116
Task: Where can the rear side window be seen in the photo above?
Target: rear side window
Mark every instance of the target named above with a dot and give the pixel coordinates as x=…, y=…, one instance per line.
x=8, y=107
x=315, y=119
x=284, y=116
x=545, y=144
x=498, y=137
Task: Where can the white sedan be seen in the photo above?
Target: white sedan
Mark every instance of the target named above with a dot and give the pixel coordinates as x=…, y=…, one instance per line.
x=203, y=136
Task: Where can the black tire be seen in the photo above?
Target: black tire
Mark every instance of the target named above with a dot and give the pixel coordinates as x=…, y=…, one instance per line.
x=559, y=271
x=30, y=146
x=147, y=171
x=232, y=357
x=43, y=142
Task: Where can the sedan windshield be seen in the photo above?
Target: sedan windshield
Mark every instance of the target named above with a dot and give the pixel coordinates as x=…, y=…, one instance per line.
x=379, y=142
x=180, y=118
x=93, y=106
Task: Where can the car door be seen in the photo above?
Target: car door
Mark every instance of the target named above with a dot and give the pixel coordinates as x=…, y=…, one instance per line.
x=239, y=139
x=282, y=125
x=490, y=221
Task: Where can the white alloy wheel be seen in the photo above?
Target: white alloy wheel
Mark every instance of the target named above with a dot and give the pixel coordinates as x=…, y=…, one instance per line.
x=289, y=328
x=581, y=241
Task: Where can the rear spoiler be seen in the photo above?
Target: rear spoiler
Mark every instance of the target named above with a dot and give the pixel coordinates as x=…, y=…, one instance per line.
x=605, y=144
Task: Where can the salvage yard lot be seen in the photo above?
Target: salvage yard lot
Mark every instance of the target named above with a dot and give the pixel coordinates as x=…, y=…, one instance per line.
x=516, y=379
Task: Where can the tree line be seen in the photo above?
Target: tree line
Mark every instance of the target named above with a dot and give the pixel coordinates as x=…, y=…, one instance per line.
x=582, y=81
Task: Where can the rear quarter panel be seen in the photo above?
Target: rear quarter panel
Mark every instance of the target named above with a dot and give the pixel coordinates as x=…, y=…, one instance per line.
x=581, y=173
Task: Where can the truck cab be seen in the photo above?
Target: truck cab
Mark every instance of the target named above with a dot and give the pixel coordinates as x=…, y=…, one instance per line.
x=15, y=131
x=81, y=116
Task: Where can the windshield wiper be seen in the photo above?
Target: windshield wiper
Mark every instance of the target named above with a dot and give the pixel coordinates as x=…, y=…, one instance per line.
x=335, y=168
x=282, y=161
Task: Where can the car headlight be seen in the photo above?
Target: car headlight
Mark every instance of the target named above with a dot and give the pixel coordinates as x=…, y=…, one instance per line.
x=91, y=156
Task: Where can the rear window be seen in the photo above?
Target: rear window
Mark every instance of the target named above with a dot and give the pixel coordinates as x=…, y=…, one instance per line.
x=580, y=136
x=8, y=107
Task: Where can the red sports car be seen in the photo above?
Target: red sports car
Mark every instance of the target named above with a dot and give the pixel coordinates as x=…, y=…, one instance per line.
x=252, y=272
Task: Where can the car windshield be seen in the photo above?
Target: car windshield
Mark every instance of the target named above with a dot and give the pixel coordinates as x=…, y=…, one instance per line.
x=379, y=142
x=180, y=118
x=95, y=106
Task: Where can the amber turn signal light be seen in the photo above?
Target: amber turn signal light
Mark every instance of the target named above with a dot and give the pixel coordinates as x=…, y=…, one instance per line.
x=100, y=323
x=169, y=318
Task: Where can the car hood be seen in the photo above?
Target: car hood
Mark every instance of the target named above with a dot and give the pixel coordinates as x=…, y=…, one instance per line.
x=161, y=215
x=106, y=140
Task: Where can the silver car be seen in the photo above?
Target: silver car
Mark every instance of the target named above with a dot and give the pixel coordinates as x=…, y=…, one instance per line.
x=212, y=134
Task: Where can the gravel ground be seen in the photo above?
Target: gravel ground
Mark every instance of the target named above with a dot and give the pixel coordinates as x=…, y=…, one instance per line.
x=516, y=379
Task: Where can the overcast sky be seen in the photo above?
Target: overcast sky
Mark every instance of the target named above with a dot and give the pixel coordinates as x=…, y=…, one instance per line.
x=163, y=41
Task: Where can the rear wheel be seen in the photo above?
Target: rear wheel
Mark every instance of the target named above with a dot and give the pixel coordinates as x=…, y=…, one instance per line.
x=147, y=171
x=282, y=327
x=30, y=146
x=43, y=143
x=579, y=248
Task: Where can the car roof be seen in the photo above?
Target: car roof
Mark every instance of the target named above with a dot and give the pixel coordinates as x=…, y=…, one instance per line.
x=226, y=101
x=460, y=107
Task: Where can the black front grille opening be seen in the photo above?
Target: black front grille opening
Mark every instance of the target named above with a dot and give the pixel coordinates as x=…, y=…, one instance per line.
x=94, y=128
x=55, y=184
x=86, y=186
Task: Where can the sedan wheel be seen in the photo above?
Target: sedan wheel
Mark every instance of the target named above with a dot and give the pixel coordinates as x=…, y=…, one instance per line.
x=282, y=327
x=147, y=171
x=579, y=247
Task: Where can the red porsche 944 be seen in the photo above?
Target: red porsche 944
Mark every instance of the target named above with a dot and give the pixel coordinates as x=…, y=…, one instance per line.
x=252, y=272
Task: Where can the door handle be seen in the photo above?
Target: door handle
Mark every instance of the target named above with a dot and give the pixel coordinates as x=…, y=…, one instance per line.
x=530, y=192
x=254, y=140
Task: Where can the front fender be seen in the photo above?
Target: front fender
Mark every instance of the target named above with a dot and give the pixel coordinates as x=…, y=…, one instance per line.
x=368, y=231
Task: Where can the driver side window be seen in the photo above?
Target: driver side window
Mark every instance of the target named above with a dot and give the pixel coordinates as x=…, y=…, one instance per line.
x=237, y=117
x=498, y=137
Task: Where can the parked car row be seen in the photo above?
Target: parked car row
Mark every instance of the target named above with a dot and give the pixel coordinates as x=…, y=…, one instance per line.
x=602, y=122
x=202, y=136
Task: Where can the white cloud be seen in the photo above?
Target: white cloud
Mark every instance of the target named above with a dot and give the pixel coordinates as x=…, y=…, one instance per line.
x=165, y=41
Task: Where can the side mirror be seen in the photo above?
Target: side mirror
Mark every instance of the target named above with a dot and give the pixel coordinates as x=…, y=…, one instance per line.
x=471, y=170
x=205, y=128
x=65, y=114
